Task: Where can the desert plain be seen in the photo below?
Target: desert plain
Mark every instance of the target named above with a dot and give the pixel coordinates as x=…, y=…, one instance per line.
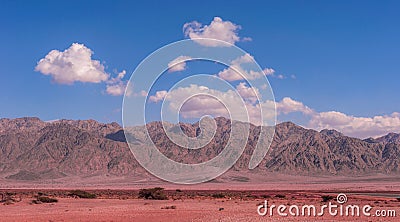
x=218, y=200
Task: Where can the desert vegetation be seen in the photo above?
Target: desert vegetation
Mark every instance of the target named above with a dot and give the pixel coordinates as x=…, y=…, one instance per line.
x=44, y=199
x=8, y=198
x=326, y=198
x=218, y=195
x=172, y=207
x=281, y=196
x=82, y=194
x=156, y=193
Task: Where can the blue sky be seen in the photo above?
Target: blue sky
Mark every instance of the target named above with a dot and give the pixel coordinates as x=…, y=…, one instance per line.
x=344, y=54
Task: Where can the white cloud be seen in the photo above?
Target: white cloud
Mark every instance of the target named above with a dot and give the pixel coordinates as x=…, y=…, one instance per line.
x=288, y=105
x=249, y=94
x=264, y=86
x=200, y=105
x=217, y=29
x=159, y=96
x=74, y=64
x=361, y=127
x=247, y=39
x=116, y=90
x=178, y=64
x=116, y=86
x=143, y=93
x=235, y=71
x=269, y=71
x=205, y=101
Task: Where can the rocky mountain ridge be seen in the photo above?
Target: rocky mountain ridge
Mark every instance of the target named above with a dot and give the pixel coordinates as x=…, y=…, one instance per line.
x=31, y=149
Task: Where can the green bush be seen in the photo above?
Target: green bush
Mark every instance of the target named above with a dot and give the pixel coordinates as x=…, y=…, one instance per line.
x=156, y=193
x=82, y=194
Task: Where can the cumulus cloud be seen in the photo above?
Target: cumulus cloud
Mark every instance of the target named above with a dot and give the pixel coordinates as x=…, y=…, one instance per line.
x=200, y=105
x=249, y=94
x=217, y=29
x=236, y=72
x=74, y=64
x=178, y=64
x=116, y=86
x=195, y=107
x=159, y=96
x=269, y=71
x=361, y=127
x=205, y=101
x=288, y=105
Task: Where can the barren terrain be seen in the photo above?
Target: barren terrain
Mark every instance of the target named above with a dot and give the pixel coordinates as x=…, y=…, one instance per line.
x=184, y=205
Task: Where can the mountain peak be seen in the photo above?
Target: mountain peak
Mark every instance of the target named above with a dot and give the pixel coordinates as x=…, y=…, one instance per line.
x=331, y=133
x=87, y=147
x=389, y=138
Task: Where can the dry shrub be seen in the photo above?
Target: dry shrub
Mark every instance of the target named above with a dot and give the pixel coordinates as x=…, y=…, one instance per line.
x=82, y=194
x=156, y=193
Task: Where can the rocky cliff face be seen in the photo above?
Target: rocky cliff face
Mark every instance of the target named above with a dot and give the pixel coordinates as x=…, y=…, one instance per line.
x=31, y=149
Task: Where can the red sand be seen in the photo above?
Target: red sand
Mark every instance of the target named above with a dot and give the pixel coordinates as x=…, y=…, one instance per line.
x=238, y=207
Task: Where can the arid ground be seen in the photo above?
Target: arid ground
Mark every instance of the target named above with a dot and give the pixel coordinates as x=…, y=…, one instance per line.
x=234, y=202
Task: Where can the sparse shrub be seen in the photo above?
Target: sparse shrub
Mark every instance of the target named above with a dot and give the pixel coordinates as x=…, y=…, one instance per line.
x=240, y=179
x=221, y=209
x=218, y=195
x=251, y=196
x=326, y=198
x=265, y=196
x=156, y=193
x=44, y=199
x=82, y=194
x=173, y=207
x=280, y=196
x=9, y=198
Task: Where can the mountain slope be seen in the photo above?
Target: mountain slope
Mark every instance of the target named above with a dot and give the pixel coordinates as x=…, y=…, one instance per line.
x=32, y=149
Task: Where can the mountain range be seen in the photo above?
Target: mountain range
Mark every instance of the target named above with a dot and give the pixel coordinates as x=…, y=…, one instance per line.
x=31, y=149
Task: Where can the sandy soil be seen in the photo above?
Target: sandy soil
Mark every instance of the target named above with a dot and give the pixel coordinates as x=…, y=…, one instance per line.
x=188, y=205
x=118, y=200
